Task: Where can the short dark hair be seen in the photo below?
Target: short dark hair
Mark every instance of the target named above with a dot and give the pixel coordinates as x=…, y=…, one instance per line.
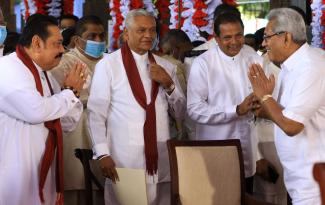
x=225, y=8
x=176, y=36
x=67, y=34
x=226, y=18
x=69, y=16
x=10, y=43
x=81, y=24
x=259, y=36
x=37, y=24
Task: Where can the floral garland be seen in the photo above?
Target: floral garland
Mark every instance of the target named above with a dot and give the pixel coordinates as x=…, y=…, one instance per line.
x=199, y=16
x=318, y=23
x=47, y=7
x=117, y=21
x=54, y=8
x=68, y=6
x=211, y=6
x=41, y=6
x=174, y=7
x=136, y=4
x=163, y=15
x=118, y=12
x=323, y=23
x=28, y=8
x=196, y=16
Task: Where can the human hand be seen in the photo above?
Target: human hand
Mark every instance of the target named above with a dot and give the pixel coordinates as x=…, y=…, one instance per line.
x=246, y=106
x=76, y=77
x=158, y=74
x=263, y=167
x=260, y=83
x=107, y=166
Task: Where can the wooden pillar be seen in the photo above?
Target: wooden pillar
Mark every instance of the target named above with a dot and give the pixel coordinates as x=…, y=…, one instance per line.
x=8, y=13
x=99, y=8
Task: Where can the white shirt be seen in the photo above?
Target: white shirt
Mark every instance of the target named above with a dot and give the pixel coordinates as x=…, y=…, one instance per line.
x=116, y=119
x=302, y=94
x=217, y=84
x=23, y=135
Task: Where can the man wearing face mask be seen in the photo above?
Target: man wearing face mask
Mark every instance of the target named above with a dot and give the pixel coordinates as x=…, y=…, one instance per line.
x=3, y=32
x=89, y=48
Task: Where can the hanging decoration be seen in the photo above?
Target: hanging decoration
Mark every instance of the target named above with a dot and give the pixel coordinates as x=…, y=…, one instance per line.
x=192, y=16
x=323, y=23
x=211, y=6
x=118, y=12
x=68, y=6
x=163, y=16
x=47, y=7
x=318, y=23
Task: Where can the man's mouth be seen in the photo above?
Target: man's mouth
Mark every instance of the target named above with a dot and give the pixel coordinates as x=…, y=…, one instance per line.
x=59, y=56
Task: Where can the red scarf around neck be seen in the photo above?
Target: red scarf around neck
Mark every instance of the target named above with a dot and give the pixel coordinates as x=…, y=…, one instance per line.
x=54, y=138
x=149, y=129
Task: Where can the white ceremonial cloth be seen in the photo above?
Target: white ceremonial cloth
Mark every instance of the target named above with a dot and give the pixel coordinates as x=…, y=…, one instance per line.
x=302, y=95
x=23, y=112
x=216, y=85
x=212, y=43
x=263, y=130
x=116, y=119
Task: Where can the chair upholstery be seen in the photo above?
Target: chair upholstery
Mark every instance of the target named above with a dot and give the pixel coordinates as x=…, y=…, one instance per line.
x=208, y=173
x=319, y=175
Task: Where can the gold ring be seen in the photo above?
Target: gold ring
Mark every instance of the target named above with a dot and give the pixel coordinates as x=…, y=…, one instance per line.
x=81, y=75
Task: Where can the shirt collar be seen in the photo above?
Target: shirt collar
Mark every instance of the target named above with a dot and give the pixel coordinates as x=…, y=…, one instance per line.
x=40, y=70
x=226, y=57
x=295, y=58
x=140, y=58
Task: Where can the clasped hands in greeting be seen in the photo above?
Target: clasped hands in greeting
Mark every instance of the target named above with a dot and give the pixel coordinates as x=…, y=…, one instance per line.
x=261, y=85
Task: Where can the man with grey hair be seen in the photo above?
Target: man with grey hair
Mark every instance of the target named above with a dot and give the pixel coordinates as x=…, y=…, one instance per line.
x=299, y=109
x=130, y=94
x=3, y=32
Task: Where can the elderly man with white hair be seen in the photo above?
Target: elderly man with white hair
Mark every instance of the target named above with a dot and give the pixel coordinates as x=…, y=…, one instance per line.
x=3, y=32
x=130, y=94
x=299, y=108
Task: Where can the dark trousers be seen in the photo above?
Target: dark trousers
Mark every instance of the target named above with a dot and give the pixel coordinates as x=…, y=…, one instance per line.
x=249, y=184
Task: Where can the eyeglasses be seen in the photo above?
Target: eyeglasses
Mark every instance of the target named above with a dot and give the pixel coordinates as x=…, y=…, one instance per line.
x=267, y=37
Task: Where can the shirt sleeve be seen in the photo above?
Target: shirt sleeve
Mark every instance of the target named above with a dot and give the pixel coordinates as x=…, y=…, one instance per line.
x=98, y=105
x=198, y=107
x=305, y=98
x=71, y=119
x=176, y=100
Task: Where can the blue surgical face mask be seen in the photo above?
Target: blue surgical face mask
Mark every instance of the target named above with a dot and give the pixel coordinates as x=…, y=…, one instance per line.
x=95, y=49
x=3, y=34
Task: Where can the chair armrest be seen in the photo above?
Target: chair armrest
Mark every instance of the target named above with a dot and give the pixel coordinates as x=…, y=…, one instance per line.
x=251, y=200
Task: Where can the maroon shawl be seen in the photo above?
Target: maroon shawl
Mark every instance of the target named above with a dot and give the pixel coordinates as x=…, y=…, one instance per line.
x=54, y=138
x=149, y=129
